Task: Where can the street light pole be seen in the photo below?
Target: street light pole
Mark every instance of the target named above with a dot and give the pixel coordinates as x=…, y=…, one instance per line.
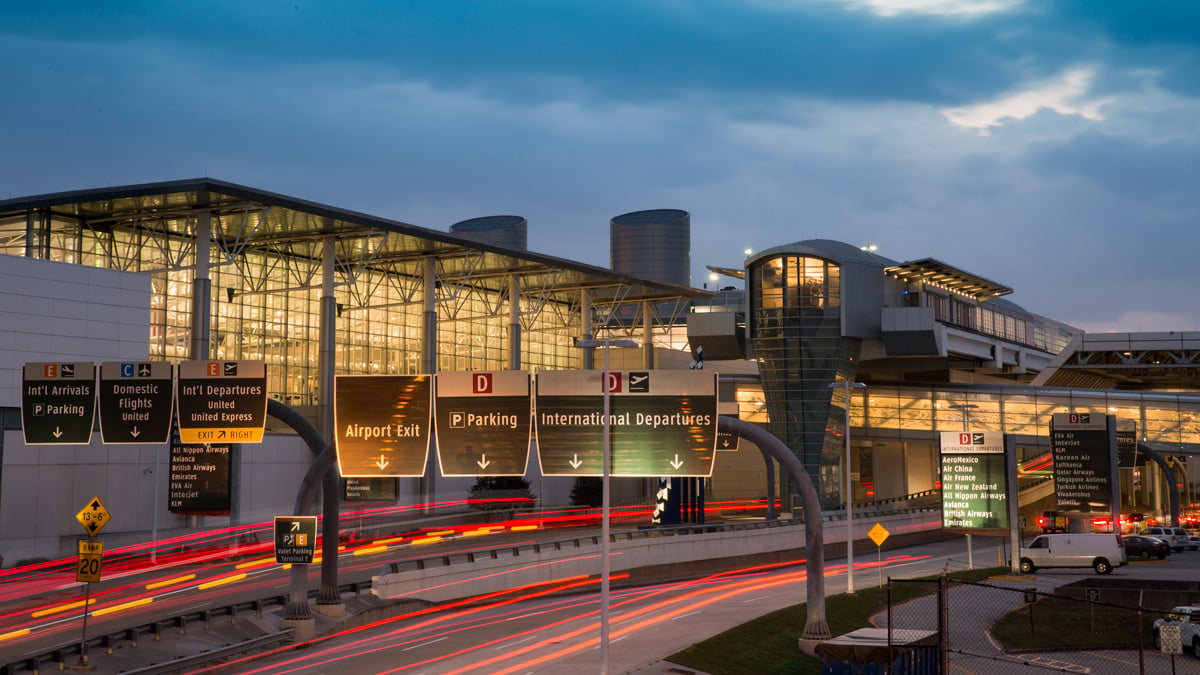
x=849, y=495
x=605, y=493
x=966, y=408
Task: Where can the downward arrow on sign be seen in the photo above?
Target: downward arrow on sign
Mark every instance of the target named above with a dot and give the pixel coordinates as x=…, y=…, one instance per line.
x=676, y=464
x=483, y=462
x=575, y=461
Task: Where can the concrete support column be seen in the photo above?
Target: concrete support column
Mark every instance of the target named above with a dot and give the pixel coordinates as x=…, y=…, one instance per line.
x=514, y=322
x=647, y=335
x=429, y=361
x=202, y=288
x=329, y=602
x=585, y=311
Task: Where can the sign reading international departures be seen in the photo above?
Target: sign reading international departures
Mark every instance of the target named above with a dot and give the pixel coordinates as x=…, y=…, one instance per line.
x=58, y=403
x=484, y=423
x=382, y=424
x=662, y=422
x=135, y=402
x=222, y=401
x=974, y=483
x=1084, y=448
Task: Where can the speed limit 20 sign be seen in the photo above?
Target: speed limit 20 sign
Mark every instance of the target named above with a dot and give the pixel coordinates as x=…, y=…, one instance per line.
x=88, y=569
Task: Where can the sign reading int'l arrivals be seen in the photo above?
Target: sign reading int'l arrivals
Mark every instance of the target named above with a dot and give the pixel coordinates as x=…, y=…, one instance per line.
x=135, y=402
x=1084, y=448
x=974, y=482
x=484, y=423
x=382, y=424
x=661, y=422
x=58, y=403
x=222, y=401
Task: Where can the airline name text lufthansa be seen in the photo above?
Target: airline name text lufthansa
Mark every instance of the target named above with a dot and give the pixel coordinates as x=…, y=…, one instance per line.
x=654, y=420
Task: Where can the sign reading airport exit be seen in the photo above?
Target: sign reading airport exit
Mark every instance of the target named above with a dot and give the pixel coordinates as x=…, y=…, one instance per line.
x=382, y=424
x=222, y=401
x=58, y=403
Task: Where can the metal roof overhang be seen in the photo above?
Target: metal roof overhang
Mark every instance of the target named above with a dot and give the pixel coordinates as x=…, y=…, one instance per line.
x=949, y=277
x=298, y=228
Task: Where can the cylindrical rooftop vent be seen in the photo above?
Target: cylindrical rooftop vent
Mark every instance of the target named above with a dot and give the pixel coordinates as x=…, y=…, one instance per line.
x=654, y=244
x=507, y=231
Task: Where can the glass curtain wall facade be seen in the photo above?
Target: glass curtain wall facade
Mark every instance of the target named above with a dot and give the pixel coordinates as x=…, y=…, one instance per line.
x=795, y=315
x=266, y=305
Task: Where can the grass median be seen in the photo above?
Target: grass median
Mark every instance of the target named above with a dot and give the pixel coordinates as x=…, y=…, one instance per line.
x=769, y=645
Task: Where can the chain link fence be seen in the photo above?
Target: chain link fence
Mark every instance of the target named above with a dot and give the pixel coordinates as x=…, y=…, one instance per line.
x=1032, y=625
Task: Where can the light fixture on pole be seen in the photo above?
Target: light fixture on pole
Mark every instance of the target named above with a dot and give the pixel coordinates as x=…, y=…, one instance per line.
x=605, y=498
x=847, y=385
x=966, y=409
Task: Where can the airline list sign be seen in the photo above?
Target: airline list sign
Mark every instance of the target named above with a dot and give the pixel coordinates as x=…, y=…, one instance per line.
x=974, y=486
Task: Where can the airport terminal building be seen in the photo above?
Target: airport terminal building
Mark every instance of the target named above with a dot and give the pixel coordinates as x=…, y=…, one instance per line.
x=205, y=269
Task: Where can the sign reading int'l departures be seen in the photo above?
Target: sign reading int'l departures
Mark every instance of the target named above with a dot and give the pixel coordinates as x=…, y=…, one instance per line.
x=58, y=403
x=222, y=401
x=974, y=482
x=200, y=480
x=1084, y=448
x=662, y=422
x=295, y=539
x=382, y=424
x=135, y=402
x=484, y=423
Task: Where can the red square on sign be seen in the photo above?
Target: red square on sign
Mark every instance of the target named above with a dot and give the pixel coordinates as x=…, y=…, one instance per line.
x=481, y=383
x=49, y=370
x=964, y=439
x=611, y=383
x=214, y=368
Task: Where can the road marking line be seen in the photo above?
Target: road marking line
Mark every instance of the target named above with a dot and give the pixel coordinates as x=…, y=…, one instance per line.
x=423, y=644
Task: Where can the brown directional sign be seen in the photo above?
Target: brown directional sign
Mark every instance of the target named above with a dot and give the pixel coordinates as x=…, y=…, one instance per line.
x=1084, y=448
x=662, y=422
x=200, y=479
x=222, y=401
x=295, y=539
x=382, y=424
x=58, y=403
x=484, y=423
x=135, y=401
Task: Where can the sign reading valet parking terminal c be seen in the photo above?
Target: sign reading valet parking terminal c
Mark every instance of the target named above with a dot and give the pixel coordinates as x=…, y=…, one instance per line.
x=222, y=401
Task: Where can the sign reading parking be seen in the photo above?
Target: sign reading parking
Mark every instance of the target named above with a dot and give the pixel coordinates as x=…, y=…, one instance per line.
x=661, y=422
x=58, y=403
x=484, y=423
x=295, y=539
x=222, y=401
x=382, y=424
x=135, y=402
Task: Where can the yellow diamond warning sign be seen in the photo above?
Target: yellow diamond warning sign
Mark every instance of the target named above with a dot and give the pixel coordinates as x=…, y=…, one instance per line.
x=878, y=534
x=93, y=517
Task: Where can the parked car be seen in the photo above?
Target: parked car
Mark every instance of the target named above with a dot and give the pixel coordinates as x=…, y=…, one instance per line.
x=1187, y=617
x=1176, y=537
x=1101, y=552
x=1146, y=547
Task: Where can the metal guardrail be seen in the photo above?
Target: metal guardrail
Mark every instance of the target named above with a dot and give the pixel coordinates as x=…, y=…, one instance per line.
x=58, y=657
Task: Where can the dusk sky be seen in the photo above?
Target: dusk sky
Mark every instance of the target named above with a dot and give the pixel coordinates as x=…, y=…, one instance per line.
x=1053, y=147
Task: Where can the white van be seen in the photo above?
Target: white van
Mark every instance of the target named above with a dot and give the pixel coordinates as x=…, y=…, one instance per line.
x=1101, y=552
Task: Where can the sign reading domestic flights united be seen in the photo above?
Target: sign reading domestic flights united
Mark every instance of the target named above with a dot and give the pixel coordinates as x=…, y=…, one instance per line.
x=135, y=402
x=382, y=424
x=484, y=423
x=222, y=401
x=661, y=422
x=974, y=482
x=58, y=403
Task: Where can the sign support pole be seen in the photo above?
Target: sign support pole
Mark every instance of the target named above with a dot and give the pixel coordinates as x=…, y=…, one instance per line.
x=83, y=651
x=605, y=510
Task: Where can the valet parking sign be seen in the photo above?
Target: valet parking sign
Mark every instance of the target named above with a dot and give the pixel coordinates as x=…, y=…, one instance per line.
x=974, y=483
x=662, y=422
x=484, y=423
